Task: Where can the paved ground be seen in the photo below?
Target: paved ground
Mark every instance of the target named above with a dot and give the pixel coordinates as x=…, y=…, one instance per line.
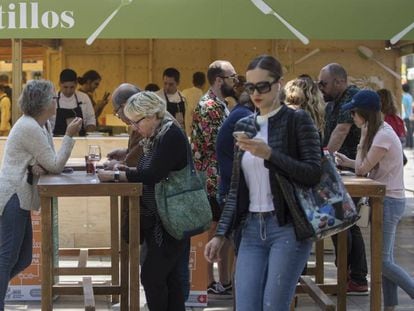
x=404, y=253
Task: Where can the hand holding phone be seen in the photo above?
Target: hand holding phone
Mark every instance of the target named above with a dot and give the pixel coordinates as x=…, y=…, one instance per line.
x=240, y=134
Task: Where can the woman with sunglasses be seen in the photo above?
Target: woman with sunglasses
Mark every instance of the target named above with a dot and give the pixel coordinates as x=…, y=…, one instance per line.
x=165, y=148
x=270, y=257
x=379, y=157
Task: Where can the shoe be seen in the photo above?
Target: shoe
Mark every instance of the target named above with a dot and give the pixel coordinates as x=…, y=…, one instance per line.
x=216, y=290
x=355, y=289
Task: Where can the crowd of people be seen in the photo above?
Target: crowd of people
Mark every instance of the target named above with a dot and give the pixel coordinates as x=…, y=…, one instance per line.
x=238, y=133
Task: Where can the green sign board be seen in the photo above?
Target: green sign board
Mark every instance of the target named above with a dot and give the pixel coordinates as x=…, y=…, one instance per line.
x=210, y=19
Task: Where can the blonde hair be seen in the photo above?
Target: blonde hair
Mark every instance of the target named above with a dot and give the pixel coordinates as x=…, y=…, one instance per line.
x=304, y=93
x=145, y=104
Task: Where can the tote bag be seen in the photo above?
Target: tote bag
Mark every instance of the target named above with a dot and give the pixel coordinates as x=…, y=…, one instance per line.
x=328, y=208
x=182, y=202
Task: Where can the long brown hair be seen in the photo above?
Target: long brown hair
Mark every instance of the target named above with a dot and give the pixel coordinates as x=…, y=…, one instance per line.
x=304, y=93
x=375, y=121
x=387, y=99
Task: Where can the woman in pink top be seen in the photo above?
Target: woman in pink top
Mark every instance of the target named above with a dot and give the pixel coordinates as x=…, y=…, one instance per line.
x=379, y=157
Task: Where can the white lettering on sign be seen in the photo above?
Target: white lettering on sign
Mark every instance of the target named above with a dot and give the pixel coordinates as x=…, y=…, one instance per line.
x=27, y=15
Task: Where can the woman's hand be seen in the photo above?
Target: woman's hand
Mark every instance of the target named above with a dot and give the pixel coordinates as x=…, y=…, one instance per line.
x=74, y=127
x=114, y=165
x=255, y=146
x=117, y=154
x=212, y=249
x=343, y=160
x=109, y=165
x=105, y=175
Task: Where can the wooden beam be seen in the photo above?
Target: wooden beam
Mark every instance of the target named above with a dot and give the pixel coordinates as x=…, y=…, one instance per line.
x=317, y=294
x=83, y=258
x=88, y=297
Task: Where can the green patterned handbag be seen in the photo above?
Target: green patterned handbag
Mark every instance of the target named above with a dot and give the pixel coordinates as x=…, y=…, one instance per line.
x=182, y=202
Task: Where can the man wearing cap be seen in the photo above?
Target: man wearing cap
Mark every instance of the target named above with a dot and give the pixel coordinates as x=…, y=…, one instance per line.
x=342, y=135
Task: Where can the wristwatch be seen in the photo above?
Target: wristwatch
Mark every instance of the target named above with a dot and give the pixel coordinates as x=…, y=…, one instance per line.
x=116, y=176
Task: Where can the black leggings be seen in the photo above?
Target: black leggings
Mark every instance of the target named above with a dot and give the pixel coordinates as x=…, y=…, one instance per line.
x=161, y=274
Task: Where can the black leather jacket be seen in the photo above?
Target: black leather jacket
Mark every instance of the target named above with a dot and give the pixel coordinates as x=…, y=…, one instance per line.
x=304, y=168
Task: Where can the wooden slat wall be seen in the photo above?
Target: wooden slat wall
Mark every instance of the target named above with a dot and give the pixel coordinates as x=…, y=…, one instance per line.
x=143, y=61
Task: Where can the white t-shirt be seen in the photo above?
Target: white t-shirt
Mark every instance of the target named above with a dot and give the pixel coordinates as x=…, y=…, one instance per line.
x=389, y=170
x=70, y=102
x=257, y=178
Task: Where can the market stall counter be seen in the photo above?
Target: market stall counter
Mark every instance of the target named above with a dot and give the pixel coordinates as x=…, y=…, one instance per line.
x=124, y=257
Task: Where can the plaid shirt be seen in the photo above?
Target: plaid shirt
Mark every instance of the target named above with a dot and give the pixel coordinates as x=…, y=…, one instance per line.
x=334, y=116
x=208, y=117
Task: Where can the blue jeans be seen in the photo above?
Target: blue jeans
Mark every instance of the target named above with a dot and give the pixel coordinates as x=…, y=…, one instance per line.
x=15, y=243
x=269, y=263
x=393, y=276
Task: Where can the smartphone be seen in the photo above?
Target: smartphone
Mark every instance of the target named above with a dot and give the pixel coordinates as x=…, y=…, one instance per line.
x=240, y=134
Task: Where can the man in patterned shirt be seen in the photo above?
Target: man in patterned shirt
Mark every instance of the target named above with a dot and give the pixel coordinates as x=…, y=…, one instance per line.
x=208, y=117
x=342, y=135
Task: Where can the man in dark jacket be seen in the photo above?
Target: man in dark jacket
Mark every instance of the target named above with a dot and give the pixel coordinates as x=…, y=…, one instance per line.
x=342, y=135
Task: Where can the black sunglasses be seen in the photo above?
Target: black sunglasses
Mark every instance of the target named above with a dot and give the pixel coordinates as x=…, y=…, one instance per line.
x=233, y=77
x=352, y=113
x=261, y=87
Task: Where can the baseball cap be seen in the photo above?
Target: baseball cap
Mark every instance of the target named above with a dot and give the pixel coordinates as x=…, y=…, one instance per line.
x=365, y=99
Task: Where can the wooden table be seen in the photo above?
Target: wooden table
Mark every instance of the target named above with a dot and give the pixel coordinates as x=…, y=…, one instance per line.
x=357, y=187
x=79, y=184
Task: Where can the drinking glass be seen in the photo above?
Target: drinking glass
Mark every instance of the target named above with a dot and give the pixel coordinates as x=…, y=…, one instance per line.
x=94, y=156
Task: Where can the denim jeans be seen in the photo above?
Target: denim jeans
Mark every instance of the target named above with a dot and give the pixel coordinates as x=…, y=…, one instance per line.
x=15, y=243
x=269, y=263
x=393, y=276
x=409, y=134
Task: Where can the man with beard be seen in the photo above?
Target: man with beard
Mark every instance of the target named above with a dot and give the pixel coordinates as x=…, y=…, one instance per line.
x=208, y=117
x=341, y=134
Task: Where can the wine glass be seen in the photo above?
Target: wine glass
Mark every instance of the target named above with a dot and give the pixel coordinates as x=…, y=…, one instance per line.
x=94, y=154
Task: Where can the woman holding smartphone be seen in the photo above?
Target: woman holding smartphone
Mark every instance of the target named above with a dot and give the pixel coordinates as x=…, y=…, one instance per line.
x=270, y=257
x=379, y=156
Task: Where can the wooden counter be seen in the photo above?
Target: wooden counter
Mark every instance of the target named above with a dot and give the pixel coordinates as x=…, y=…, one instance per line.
x=79, y=184
x=357, y=187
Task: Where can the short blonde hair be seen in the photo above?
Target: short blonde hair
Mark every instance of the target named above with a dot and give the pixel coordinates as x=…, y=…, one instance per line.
x=145, y=104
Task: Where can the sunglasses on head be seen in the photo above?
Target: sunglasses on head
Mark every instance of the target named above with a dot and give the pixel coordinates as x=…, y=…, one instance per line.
x=261, y=87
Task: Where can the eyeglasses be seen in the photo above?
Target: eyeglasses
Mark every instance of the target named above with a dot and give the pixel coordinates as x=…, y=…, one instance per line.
x=352, y=113
x=116, y=113
x=232, y=77
x=135, y=124
x=261, y=87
